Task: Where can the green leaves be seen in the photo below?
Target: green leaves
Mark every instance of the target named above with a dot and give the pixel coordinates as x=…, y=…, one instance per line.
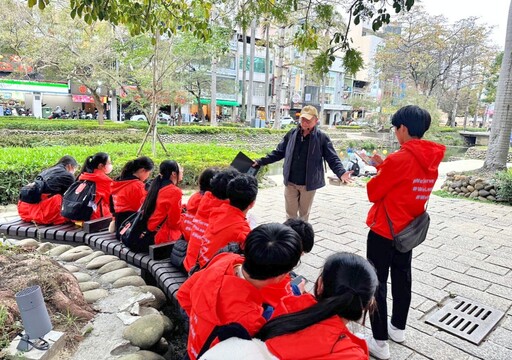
x=353, y=61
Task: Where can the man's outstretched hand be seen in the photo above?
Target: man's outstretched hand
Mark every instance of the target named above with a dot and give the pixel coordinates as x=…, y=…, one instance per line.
x=346, y=177
x=255, y=164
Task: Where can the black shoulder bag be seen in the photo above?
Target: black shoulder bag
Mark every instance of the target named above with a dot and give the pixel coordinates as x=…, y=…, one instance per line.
x=413, y=234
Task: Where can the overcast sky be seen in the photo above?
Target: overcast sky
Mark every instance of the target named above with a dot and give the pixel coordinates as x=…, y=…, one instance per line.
x=492, y=12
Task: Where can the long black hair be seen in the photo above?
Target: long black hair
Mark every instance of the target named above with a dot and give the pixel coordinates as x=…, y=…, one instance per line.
x=133, y=166
x=167, y=167
x=348, y=281
x=205, y=179
x=67, y=160
x=92, y=162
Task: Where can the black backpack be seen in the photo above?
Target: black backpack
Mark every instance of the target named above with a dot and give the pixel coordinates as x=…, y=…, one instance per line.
x=78, y=201
x=355, y=168
x=31, y=193
x=134, y=233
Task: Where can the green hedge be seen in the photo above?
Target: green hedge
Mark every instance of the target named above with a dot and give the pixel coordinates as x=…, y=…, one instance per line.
x=19, y=166
x=68, y=139
x=504, y=180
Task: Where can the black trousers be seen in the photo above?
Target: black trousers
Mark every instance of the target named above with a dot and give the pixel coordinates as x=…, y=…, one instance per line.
x=381, y=253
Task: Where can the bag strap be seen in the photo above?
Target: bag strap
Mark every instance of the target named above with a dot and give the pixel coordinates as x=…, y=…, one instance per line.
x=389, y=220
x=224, y=332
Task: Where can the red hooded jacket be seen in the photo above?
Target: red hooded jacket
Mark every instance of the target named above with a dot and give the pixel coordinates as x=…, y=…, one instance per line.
x=103, y=188
x=199, y=225
x=403, y=185
x=326, y=340
x=167, y=215
x=226, y=224
x=46, y=212
x=188, y=216
x=215, y=296
x=128, y=195
x=274, y=293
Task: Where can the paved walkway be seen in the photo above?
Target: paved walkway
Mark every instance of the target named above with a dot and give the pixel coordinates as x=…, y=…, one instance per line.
x=468, y=252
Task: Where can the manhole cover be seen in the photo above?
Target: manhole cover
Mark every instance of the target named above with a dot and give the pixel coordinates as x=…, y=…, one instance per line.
x=467, y=319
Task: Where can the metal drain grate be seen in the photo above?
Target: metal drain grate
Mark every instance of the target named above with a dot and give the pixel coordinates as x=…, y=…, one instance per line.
x=467, y=319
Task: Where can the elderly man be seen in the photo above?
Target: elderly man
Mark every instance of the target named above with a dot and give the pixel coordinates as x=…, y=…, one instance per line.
x=303, y=149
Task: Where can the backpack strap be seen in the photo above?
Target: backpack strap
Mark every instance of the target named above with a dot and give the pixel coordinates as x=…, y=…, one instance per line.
x=224, y=332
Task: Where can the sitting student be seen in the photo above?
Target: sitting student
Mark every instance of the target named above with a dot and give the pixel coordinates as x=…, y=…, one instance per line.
x=55, y=181
x=314, y=328
x=273, y=294
x=162, y=207
x=95, y=169
x=209, y=201
x=193, y=202
x=128, y=190
x=227, y=223
x=226, y=291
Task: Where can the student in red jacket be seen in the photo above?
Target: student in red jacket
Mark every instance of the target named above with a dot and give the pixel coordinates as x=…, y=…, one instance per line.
x=211, y=200
x=57, y=180
x=315, y=327
x=128, y=190
x=227, y=223
x=95, y=169
x=400, y=189
x=187, y=217
x=162, y=207
x=226, y=291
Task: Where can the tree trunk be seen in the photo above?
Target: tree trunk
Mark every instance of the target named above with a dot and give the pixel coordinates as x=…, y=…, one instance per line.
x=99, y=106
x=213, y=91
x=267, y=69
x=250, y=91
x=499, y=140
x=322, y=101
x=279, y=81
x=458, y=86
x=244, y=71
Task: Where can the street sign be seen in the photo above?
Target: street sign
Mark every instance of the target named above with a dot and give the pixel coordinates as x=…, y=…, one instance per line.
x=272, y=107
x=296, y=98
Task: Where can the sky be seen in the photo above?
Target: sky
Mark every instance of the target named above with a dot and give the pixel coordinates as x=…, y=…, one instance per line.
x=491, y=12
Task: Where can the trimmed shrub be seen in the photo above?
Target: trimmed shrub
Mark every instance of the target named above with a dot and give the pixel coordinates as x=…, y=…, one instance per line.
x=504, y=182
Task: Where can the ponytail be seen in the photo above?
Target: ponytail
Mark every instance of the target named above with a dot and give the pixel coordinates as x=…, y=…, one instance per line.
x=167, y=167
x=133, y=165
x=92, y=162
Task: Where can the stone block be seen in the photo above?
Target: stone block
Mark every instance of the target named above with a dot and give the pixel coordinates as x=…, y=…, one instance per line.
x=55, y=339
x=453, y=276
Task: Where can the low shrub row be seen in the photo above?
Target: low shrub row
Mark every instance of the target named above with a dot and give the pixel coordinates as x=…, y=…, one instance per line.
x=20, y=139
x=19, y=166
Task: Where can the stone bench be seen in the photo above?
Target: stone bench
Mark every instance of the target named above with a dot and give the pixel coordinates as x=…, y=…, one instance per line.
x=155, y=268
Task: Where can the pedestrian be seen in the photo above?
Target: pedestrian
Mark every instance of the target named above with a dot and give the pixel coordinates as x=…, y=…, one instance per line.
x=399, y=193
x=303, y=149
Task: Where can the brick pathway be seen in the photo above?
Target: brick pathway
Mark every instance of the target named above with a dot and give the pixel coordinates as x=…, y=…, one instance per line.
x=468, y=252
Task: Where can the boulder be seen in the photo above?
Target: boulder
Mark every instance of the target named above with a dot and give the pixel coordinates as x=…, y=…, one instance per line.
x=456, y=184
x=471, y=188
x=75, y=253
x=160, y=298
x=142, y=355
x=82, y=277
x=71, y=268
x=44, y=247
x=145, y=332
x=492, y=192
x=482, y=198
x=464, y=190
x=467, y=194
x=491, y=198
x=112, y=276
x=488, y=187
x=483, y=193
x=89, y=257
x=168, y=324
x=474, y=194
x=94, y=295
x=472, y=182
x=129, y=281
x=100, y=261
x=479, y=186
x=60, y=249
x=29, y=243
x=88, y=285
x=111, y=266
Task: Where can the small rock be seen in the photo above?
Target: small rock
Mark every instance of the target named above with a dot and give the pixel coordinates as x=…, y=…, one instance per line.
x=89, y=257
x=82, y=277
x=472, y=182
x=145, y=311
x=72, y=268
x=491, y=198
x=58, y=250
x=100, y=261
x=450, y=174
x=124, y=347
x=44, y=247
x=464, y=190
x=142, y=355
x=94, y=295
x=467, y=195
x=168, y=324
x=115, y=265
x=127, y=318
x=488, y=187
x=464, y=183
x=161, y=347
x=145, y=332
x=129, y=281
x=160, y=298
x=456, y=184
x=458, y=190
x=474, y=194
x=88, y=285
x=29, y=243
x=492, y=192
x=75, y=253
x=483, y=193
x=479, y=186
x=482, y=198
x=139, y=298
x=112, y=276
x=471, y=188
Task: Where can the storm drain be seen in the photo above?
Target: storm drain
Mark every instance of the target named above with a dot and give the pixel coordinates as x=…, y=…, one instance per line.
x=466, y=319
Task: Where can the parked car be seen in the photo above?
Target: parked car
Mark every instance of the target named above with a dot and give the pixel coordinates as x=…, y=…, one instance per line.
x=138, y=117
x=285, y=121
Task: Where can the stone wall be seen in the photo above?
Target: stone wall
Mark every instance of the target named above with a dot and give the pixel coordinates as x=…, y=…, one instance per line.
x=479, y=153
x=470, y=186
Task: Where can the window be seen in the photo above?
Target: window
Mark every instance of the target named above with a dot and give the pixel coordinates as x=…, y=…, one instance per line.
x=259, y=64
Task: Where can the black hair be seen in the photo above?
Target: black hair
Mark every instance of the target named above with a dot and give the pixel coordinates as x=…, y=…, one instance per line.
x=219, y=182
x=305, y=231
x=242, y=191
x=271, y=250
x=167, y=167
x=92, y=162
x=67, y=160
x=133, y=166
x=205, y=179
x=349, y=284
x=416, y=119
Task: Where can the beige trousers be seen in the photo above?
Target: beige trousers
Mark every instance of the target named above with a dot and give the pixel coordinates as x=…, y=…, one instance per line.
x=298, y=200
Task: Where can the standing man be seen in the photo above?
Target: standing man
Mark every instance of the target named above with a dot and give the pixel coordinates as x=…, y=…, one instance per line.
x=303, y=149
x=399, y=193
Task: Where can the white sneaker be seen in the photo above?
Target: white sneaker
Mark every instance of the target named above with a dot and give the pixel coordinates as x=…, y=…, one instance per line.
x=378, y=348
x=395, y=334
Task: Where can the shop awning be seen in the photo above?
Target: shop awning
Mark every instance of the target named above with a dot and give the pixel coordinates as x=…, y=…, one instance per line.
x=219, y=102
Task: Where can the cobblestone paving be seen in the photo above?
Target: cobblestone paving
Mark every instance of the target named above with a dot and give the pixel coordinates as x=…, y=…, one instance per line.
x=468, y=252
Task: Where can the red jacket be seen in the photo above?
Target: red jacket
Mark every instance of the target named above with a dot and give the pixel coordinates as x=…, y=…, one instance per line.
x=188, y=216
x=103, y=188
x=128, y=195
x=226, y=224
x=215, y=296
x=46, y=212
x=199, y=225
x=326, y=340
x=403, y=185
x=167, y=215
x=274, y=293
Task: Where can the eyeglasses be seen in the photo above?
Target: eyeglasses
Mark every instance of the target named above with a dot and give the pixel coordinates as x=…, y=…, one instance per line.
x=392, y=128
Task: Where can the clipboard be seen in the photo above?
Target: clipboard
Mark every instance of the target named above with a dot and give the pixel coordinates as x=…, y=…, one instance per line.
x=243, y=163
